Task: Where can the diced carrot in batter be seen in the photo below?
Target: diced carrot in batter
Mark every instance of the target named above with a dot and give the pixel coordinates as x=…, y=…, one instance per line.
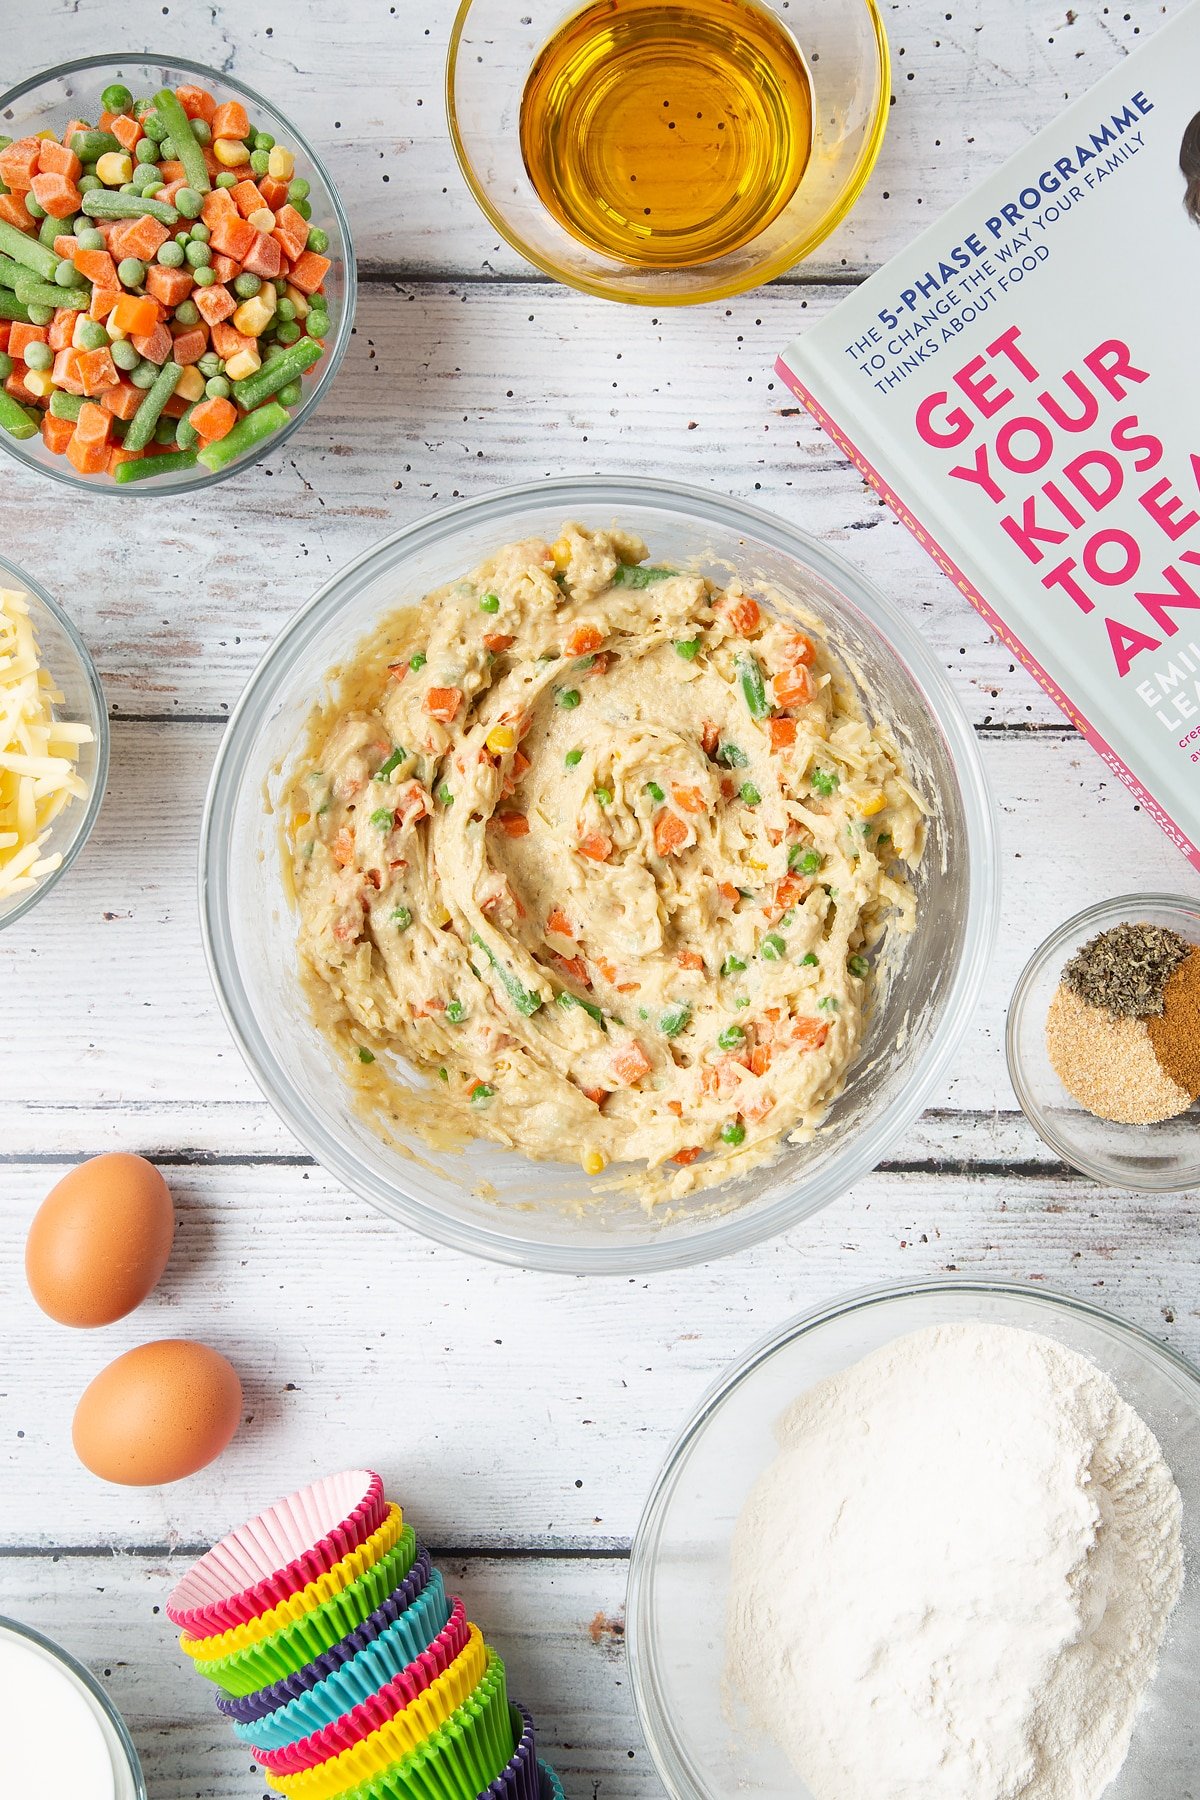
x=169, y=285
x=196, y=102
x=230, y=121
x=291, y=230
x=576, y=968
x=97, y=370
x=631, y=1064
x=710, y=737
x=596, y=846
x=309, y=271
x=57, y=195
x=793, y=687
x=264, y=257
x=558, y=922
x=690, y=799
x=89, y=459
x=742, y=614
x=728, y=892
x=214, y=419
x=513, y=824
x=94, y=424
x=498, y=641
x=790, y=889
x=135, y=314
x=799, y=648
x=232, y=235
x=214, y=303
x=584, y=639
x=19, y=164
x=690, y=959
x=56, y=433
x=443, y=703
x=342, y=847
x=670, y=832
x=760, y=1059
x=55, y=159
x=782, y=733
x=123, y=400
x=189, y=344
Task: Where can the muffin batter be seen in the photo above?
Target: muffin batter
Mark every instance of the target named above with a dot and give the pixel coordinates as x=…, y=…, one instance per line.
x=604, y=849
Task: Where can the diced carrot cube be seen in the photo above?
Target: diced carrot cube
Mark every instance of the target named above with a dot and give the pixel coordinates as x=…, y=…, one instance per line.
x=689, y=799
x=154, y=345
x=799, y=648
x=123, y=400
x=499, y=641
x=584, y=640
x=225, y=267
x=19, y=164
x=743, y=614
x=127, y=131
x=169, y=285
x=5, y=329
x=94, y=424
x=56, y=433
x=97, y=370
x=513, y=824
x=631, y=1064
x=214, y=419
x=170, y=171
x=442, y=703
x=89, y=459
x=247, y=198
x=65, y=248
x=65, y=373
x=274, y=192
x=135, y=313
x=61, y=328
x=119, y=454
x=72, y=126
x=106, y=119
x=56, y=194
x=214, y=303
x=22, y=335
x=103, y=301
x=232, y=235
x=227, y=342
x=810, y=1034
x=292, y=231
x=782, y=732
x=793, y=687
x=196, y=102
x=142, y=237
x=14, y=384
x=98, y=266
x=690, y=959
x=170, y=189
x=55, y=159
x=264, y=257
x=219, y=204
x=670, y=832
x=558, y=922
x=309, y=271
x=189, y=345
x=684, y=1157
x=12, y=211
x=230, y=121
x=597, y=846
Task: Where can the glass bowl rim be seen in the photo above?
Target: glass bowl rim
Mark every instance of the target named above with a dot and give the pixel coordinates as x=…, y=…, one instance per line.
x=95, y=799
x=741, y=1226
x=85, y=1677
x=196, y=483
x=644, y=1549
x=606, y=289
x=1102, y=912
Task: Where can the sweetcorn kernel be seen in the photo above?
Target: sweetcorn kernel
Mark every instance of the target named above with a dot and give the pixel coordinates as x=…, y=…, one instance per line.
x=253, y=316
x=501, y=738
x=230, y=153
x=39, y=382
x=594, y=1161
x=281, y=164
x=190, y=385
x=298, y=300
x=113, y=168
x=560, y=550
x=262, y=219
x=873, y=806
x=242, y=364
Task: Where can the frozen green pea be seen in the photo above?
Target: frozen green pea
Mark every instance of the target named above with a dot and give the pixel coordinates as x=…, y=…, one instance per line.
x=186, y=313
x=154, y=126
x=145, y=374
x=318, y=240
x=165, y=431
x=67, y=275
x=87, y=184
x=131, y=271
x=205, y=276
x=91, y=335
x=89, y=239
x=200, y=233
x=167, y=149
x=246, y=285
x=202, y=131
x=304, y=208
x=298, y=190
x=287, y=331
x=124, y=355
x=209, y=364
x=34, y=207
x=318, y=324
x=198, y=255
x=290, y=394
x=39, y=315
x=187, y=203
x=170, y=254
x=216, y=388
x=39, y=356
x=146, y=150
x=259, y=159
x=183, y=239
x=285, y=310
x=262, y=140
x=226, y=179
x=116, y=98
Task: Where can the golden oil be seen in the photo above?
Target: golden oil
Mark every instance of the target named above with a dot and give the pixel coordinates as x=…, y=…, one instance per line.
x=667, y=134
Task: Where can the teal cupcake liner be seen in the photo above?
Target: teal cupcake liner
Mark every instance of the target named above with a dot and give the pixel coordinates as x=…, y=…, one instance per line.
x=305, y=1639
x=358, y=1679
x=462, y=1758
x=552, y=1787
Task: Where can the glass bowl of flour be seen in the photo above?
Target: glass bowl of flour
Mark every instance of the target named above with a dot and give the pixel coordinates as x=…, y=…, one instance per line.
x=930, y=1540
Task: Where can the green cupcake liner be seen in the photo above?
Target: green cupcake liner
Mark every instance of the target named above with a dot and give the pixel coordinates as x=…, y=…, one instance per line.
x=462, y=1758
x=303, y=1640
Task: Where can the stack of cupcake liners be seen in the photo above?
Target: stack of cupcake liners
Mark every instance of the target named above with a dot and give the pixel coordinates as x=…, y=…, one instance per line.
x=343, y=1664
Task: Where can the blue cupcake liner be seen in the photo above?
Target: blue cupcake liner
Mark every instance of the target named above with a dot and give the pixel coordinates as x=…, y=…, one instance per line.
x=552, y=1787
x=379, y=1661
x=246, y=1709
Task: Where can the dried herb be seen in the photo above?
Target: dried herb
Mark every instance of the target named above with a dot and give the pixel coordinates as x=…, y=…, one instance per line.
x=1126, y=969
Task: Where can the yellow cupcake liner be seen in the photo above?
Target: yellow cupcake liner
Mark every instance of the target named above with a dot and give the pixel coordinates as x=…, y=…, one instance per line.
x=304, y=1639
x=406, y=1731
x=334, y=1581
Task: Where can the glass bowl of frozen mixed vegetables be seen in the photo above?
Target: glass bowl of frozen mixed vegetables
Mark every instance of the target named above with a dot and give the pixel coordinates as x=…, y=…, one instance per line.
x=177, y=281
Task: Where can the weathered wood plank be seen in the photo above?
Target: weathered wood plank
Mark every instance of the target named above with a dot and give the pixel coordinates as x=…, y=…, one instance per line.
x=558, y=1625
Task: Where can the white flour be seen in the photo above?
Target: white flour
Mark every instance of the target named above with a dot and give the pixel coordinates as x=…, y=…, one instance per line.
x=953, y=1582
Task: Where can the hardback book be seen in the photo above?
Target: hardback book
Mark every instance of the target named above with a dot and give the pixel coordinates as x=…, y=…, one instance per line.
x=1022, y=386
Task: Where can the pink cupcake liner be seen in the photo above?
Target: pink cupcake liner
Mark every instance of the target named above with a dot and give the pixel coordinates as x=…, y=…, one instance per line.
x=362, y=1720
x=291, y=1544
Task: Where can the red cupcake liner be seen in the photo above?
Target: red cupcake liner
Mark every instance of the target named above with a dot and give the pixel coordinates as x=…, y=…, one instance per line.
x=278, y=1553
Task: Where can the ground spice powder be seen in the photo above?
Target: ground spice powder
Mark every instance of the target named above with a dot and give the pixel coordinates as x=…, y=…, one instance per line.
x=1176, y=1035
x=1109, y=1064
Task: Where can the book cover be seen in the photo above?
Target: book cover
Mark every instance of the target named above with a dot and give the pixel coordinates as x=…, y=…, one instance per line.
x=1022, y=386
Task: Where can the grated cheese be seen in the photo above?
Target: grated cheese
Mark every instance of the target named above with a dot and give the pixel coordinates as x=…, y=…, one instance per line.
x=38, y=753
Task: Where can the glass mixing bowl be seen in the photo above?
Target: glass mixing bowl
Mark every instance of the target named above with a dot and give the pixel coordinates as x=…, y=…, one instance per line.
x=494, y=1202
x=679, y=1571
x=492, y=48
x=60, y=1677
x=46, y=102
x=66, y=658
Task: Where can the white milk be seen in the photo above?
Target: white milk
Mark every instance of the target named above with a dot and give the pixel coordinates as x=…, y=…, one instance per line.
x=57, y=1736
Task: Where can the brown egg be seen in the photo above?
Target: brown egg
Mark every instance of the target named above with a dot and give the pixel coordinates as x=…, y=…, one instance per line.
x=100, y=1240
x=158, y=1413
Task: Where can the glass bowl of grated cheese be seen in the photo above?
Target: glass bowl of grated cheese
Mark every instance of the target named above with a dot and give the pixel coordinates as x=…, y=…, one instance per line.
x=53, y=743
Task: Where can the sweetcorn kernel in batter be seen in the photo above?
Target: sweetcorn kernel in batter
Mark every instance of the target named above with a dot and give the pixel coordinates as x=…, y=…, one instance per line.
x=603, y=848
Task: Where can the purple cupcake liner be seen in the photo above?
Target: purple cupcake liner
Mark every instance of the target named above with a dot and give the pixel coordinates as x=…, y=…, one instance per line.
x=520, y=1779
x=247, y=1708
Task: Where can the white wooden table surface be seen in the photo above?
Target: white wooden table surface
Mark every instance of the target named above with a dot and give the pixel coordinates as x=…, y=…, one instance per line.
x=520, y=1418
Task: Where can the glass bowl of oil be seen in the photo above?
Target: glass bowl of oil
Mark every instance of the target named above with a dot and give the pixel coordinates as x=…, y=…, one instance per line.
x=667, y=152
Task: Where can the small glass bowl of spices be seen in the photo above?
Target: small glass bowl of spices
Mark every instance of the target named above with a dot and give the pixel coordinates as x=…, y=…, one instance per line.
x=1104, y=1042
